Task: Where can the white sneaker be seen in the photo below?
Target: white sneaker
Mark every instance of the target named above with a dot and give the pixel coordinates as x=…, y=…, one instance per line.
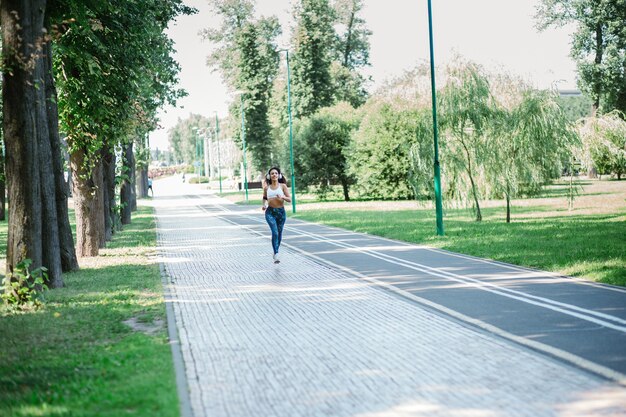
x=276, y=260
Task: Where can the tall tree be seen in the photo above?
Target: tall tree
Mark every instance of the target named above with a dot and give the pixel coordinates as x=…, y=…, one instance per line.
x=114, y=65
x=69, y=261
x=247, y=59
x=51, y=250
x=22, y=23
x=313, y=39
x=351, y=52
x=604, y=143
x=382, y=158
x=467, y=107
x=598, y=46
x=528, y=145
x=258, y=68
x=127, y=184
x=3, y=190
x=323, y=146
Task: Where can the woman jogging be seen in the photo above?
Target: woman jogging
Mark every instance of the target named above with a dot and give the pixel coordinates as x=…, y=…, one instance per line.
x=275, y=193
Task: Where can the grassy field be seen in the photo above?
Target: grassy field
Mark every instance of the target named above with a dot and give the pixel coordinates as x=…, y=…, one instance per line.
x=99, y=346
x=588, y=241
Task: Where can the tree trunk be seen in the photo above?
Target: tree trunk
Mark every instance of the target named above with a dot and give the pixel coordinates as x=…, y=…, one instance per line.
x=142, y=184
x=22, y=28
x=69, y=262
x=3, y=191
x=133, y=179
x=592, y=172
x=51, y=249
x=598, y=62
x=87, y=205
x=108, y=169
x=126, y=190
x=479, y=216
x=508, y=208
x=346, y=190
x=141, y=168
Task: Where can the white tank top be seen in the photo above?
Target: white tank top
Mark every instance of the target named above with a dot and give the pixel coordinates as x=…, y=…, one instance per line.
x=275, y=193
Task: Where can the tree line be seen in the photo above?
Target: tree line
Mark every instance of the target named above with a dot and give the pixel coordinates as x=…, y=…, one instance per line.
x=500, y=136
x=83, y=78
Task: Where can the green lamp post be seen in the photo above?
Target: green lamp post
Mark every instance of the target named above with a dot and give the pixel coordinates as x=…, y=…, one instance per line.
x=243, y=140
x=293, y=175
x=217, y=139
x=438, y=204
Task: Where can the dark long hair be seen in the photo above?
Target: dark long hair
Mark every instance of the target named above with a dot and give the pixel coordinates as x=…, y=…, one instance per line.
x=281, y=179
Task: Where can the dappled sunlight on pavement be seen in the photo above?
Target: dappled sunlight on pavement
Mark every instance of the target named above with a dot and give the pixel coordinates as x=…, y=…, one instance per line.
x=302, y=339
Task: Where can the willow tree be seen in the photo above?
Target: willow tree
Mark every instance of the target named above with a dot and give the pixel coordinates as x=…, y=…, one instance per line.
x=467, y=108
x=529, y=144
x=604, y=143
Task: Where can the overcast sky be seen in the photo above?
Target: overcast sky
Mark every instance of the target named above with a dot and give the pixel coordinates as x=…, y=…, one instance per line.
x=499, y=34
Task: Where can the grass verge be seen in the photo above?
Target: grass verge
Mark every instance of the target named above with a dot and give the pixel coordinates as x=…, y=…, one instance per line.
x=588, y=243
x=77, y=356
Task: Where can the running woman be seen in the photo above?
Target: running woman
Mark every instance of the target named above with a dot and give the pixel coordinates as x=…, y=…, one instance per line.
x=275, y=193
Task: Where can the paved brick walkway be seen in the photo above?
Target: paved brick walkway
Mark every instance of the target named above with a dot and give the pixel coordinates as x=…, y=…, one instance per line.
x=299, y=339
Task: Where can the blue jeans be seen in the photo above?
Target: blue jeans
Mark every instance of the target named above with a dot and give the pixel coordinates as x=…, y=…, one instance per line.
x=276, y=217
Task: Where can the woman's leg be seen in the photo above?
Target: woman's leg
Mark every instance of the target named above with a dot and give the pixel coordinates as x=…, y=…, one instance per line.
x=281, y=218
x=271, y=221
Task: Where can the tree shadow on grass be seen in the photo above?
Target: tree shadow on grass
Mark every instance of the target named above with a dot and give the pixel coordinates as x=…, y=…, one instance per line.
x=589, y=246
x=77, y=348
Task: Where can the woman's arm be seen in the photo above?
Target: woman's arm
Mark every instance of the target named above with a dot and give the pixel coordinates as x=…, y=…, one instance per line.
x=263, y=206
x=287, y=197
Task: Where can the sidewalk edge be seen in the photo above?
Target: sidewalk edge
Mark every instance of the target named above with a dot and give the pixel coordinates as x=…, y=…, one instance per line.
x=177, y=355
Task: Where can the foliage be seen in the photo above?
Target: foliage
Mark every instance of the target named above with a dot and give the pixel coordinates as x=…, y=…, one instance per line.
x=313, y=39
x=467, y=108
x=23, y=289
x=351, y=52
x=246, y=56
x=259, y=67
x=598, y=46
x=226, y=57
x=387, y=145
x=199, y=180
x=114, y=69
x=575, y=107
x=604, y=143
x=322, y=148
x=348, y=85
x=529, y=145
x=185, y=138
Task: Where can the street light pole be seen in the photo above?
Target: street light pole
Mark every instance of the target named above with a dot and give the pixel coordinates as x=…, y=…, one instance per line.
x=438, y=204
x=293, y=175
x=217, y=139
x=243, y=140
x=197, y=154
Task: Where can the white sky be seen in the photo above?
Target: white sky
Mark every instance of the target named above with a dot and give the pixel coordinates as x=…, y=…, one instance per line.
x=499, y=34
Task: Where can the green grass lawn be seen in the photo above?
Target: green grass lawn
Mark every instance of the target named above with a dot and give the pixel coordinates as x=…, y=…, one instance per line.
x=547, y=237
x=77, y=357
